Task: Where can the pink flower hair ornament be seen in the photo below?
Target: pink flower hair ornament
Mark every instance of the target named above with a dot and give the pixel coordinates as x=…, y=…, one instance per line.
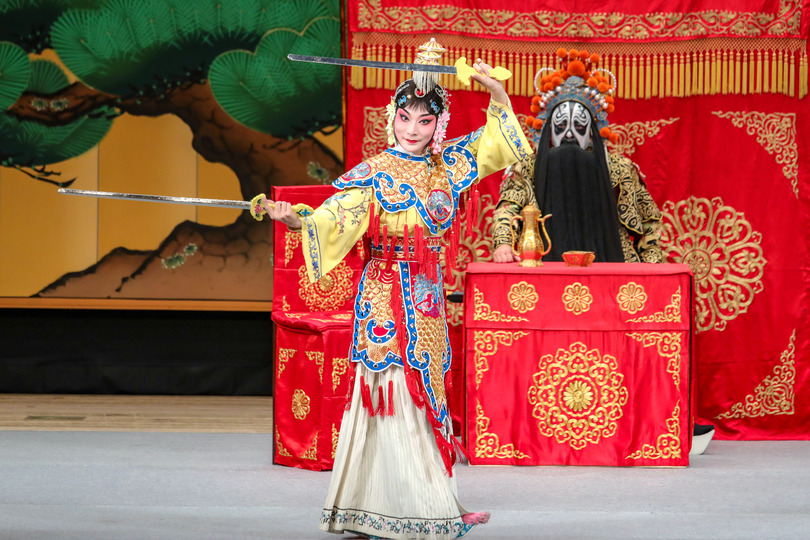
x=440, y=133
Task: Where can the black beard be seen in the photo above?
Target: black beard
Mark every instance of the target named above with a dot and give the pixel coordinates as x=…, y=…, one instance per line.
x=581, y=200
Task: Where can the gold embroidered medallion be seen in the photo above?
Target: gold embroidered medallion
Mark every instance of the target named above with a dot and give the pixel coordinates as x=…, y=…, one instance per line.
x=723, y=251
x=577, y=396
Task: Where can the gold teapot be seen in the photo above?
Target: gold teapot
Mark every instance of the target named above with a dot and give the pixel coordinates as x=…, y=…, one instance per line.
x=530, y=244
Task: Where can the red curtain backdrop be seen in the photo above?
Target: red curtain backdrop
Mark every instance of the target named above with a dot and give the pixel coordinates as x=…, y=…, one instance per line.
x=711, y=102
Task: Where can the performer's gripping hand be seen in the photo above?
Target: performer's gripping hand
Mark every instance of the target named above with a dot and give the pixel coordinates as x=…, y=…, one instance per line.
x=282, y=211
x=504, y=254
x=494, y=86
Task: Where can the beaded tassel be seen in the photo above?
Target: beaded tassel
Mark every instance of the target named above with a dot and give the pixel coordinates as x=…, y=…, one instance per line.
x=365, y=394
x=419, y=248
x=372, y=222
x=380, y=401
x=472, y=207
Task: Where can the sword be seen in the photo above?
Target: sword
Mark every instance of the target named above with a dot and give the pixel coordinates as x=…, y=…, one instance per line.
x=461, y=70
x=254, y=205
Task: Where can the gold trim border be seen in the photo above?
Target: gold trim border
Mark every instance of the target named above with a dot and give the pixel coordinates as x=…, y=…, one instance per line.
x=373, y=16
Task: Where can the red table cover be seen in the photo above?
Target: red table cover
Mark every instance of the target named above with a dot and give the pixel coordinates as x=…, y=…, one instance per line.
x=312, y=381
x=578, y=366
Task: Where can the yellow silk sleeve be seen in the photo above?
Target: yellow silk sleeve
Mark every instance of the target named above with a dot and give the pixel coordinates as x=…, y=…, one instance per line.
x=502, y=141
x=332, y=229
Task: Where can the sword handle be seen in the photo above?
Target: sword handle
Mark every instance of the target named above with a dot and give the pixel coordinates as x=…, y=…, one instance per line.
x=256, y=208
x=464, y=72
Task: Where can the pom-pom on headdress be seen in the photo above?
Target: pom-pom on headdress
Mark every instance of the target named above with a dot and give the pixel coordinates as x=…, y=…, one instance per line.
x=578, y=79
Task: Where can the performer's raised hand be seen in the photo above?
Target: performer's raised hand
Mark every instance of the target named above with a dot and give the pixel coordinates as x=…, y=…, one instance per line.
x=504, y=254
x=494, y=86
x=282, y=211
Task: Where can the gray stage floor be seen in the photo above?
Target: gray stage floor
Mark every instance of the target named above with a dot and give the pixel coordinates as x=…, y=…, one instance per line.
x=144, y=486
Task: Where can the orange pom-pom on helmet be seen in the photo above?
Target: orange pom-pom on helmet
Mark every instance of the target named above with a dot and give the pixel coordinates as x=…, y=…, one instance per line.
x=576, y=67
x=577, y=79
x=614, y=138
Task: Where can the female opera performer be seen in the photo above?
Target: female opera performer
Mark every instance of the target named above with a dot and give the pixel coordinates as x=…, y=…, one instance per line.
x=393, y=470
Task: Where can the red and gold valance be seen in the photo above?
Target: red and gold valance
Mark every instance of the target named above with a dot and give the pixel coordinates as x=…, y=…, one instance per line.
x=654, y=51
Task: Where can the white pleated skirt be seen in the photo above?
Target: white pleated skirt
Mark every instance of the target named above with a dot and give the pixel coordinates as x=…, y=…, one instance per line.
x=389, y=480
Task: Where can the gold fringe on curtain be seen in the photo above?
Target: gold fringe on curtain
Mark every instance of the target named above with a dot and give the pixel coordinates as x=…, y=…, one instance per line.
x=651, y=70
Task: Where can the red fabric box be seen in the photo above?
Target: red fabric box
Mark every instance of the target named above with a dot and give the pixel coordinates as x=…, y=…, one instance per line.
x=292, y=290
x=311, y=386
x=578, y=366
x=312, y=341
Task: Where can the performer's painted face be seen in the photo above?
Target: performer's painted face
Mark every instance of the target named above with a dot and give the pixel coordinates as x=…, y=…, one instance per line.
x=571, y=123
x=413, y=128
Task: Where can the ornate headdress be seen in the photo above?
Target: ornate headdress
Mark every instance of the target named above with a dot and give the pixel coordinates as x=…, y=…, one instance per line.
x=578, y=79
x=426, y=88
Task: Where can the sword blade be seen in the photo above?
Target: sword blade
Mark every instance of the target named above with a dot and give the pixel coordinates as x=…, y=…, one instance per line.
x=371, y=63
x=221, y=203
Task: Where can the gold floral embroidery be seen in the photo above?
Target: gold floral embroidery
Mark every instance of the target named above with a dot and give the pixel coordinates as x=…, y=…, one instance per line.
x=667, y=446
x=283, y=356
x=292, y=241
x=280, y=447
x=590, y=404
x=455, y=313
x=319, y=317
x=577, y=298
x=335, y=434
x=634, y=134
x=774, y=395
x=300, y=404
x=317, y=357
x=488, y=445
x=578, y=396
x=485, y=343
x=776, y=132
x=339, y=367
x=312, y=452
x=631, y=298
x=442, y=18
x=285, y=306
x=482, y=311
x=724, y=253
x=671, y=313
x=374, y=136
x=522, y=297
x=330, y=291
x=668, y=345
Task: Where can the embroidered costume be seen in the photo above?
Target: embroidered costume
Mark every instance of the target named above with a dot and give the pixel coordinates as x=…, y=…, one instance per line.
x=392, y=475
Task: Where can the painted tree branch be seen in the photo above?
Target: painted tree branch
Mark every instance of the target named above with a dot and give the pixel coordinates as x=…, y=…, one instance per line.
x=258, y=159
